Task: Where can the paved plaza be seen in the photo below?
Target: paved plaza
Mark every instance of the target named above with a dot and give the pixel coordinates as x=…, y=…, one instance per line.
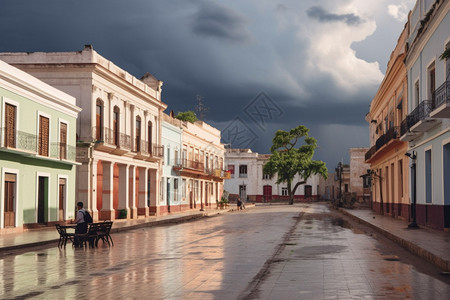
x=273, y=252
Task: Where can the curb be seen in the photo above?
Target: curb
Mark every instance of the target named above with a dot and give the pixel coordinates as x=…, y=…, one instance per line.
x=411, y=247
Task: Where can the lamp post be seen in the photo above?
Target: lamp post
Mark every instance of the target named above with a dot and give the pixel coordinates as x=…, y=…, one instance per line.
x=413, y=157
x=339, y=175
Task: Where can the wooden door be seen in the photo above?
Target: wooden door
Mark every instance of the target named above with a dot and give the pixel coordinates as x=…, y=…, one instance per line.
x=10, y=195
x=267, y=193
x=63, y=141
x=62, y=197
x=44, y=125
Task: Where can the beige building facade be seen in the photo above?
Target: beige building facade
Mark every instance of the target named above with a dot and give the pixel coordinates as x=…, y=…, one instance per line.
x=389, y=167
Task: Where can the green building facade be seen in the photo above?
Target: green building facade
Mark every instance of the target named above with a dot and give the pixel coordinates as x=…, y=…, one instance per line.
x=37, y=152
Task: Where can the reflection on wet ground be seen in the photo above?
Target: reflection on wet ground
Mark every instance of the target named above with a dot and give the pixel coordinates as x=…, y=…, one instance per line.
x=284, y=252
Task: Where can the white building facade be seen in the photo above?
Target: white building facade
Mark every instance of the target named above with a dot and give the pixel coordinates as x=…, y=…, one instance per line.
x=248, y=181
x=427, y=126
x=118, y=132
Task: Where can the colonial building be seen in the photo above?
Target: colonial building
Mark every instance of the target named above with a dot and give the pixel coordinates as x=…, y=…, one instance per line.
x=200, y=165
x=427, y=126
x=359, y=186
x=171, y=183
x=248, y=180
x=37, y=151
x=118, y=132
x=386, y=156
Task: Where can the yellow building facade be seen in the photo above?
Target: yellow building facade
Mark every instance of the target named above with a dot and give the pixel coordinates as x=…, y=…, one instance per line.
x=389, y=167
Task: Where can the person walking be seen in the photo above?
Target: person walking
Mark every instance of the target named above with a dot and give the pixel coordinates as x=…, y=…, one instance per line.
x=238, y=203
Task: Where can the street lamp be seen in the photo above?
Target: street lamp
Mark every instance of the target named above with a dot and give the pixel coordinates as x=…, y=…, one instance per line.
x=339, y=175
x=413, y=157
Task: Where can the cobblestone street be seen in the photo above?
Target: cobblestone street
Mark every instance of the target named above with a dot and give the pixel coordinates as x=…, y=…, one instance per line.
x=272, y=252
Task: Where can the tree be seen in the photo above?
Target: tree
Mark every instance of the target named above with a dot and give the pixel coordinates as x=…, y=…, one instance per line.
x=189, y=116
x=287, y=160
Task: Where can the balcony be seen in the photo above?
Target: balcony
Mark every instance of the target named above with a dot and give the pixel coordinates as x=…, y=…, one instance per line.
x=392, y=136
x=418, y=121
x=26, y=144
x=420, y=117
x=111, y=141
x=190, y=167
x=442, y=101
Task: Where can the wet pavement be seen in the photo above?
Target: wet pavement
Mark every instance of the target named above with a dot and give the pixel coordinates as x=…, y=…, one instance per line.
x=274, y=252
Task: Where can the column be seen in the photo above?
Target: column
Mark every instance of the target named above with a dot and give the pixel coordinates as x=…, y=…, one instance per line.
x=132, y=192
x=107, y=212
x=123, y=188
x=143, y=209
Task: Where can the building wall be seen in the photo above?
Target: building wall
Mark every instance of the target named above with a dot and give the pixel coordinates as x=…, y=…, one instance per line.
x=171, y=141
x=430, y=134
x=33, y=98
x=255, y=181
x=358, y=167
x=116, y=171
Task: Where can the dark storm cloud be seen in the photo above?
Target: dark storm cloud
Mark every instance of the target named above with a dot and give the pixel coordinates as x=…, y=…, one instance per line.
x=320, y=14
x=213, y=20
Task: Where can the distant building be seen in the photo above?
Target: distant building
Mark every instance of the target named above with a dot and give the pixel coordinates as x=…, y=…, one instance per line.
x=37, y=152
x=359, y=187
x=200, y=166
x=250, y=183
x=427, y=125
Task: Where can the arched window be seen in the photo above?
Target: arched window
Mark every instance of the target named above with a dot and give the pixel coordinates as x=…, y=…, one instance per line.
x=116, y=125
x=138, y=134
x=99, y=120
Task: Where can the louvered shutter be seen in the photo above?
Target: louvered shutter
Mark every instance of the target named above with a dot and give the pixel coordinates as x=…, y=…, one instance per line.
x=10, y=123
x=43, y=135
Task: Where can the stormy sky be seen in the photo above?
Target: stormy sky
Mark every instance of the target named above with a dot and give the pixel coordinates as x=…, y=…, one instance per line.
x=258, y=65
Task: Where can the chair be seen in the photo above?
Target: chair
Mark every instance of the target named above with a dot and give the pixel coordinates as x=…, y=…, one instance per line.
x=63, y=235
x=103, y=231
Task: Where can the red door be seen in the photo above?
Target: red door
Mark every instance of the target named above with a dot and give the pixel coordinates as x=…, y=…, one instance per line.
x=10, y=192
x=267, y=193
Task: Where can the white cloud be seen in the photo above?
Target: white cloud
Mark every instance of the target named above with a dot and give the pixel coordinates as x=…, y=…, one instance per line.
x=330, y=50
x=400, y=11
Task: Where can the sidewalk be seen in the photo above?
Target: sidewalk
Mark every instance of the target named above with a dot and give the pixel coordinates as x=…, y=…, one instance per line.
x=431, y=245
x=49, y=235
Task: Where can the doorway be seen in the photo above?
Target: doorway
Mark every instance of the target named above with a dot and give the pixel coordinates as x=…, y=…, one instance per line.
x=10, y=196
x=267, y=193
x=42, y=199
x=243, y=192
x=62, y=198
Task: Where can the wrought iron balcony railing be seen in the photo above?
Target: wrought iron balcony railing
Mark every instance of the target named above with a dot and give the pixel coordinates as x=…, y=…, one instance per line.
x=26, y=142
x=421, y=112
x=111, y=137
x=191, y=164
x=442, y=94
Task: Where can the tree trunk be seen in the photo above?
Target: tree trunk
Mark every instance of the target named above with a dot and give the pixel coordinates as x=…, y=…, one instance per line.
x=291, y=194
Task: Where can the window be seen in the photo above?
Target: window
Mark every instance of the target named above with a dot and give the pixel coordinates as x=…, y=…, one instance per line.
x=116, y=118
x=168, y=156
x=44, y=124
x=62, y=140
x=243, y=171
x=266, y=176
x=346, y=188
x=175, y=157
x=99, y=120
x=10, y=124
x=416, y=94
x=231, y=170
x=175, y=189
x=428, y=187
x=138, y=134
x=431, y=81
x=183, y=188
x=284, y=191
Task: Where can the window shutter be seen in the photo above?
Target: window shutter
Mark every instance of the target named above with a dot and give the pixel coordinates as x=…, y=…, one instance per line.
x=63, y=141
x=43, y=135
x=10, y=123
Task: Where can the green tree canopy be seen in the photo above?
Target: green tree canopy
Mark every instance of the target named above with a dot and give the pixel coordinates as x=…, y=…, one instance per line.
x=288, y=159
x=189, y=116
